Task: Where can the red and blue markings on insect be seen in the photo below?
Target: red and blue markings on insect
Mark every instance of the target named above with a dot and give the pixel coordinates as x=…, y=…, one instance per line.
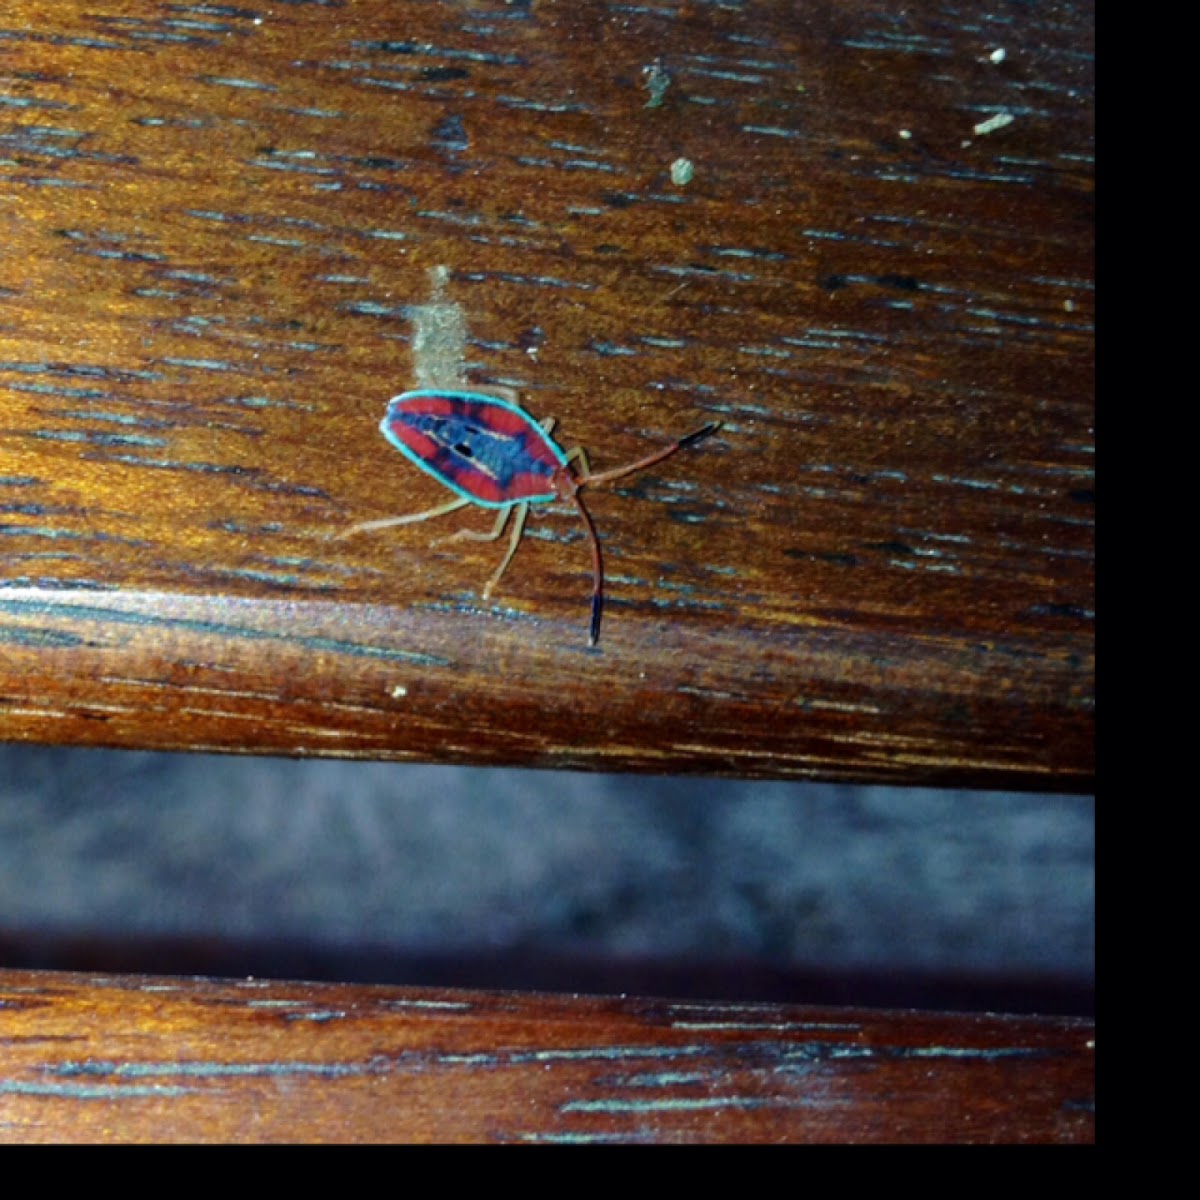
x=491, y=452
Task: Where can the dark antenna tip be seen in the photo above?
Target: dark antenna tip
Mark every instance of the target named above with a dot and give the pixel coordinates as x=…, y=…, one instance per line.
x=700, y=434
x=594, y=631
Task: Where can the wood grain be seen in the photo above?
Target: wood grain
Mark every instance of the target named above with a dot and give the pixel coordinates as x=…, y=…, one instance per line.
x=157, y=1059
x=230, y=233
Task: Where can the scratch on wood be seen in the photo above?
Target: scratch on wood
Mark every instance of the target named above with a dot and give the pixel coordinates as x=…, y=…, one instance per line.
x=440, y=338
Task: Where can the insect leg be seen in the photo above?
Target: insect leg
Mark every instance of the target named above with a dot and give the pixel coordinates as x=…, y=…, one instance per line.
x=579, y=454
x=522, y=511
x=473, y=535
x=519, y=512
x=411, y=519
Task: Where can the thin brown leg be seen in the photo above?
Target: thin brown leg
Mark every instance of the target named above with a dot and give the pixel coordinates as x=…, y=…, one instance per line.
x=410, y=519
x=520, y=512
x=474, y=535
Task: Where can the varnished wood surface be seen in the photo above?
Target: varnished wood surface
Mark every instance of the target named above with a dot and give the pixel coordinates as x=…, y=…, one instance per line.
x=168, y=1059
x=228, y=234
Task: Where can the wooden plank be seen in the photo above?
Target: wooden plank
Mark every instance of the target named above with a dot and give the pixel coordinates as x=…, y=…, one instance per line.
x=859, y=236
x=158, y=1059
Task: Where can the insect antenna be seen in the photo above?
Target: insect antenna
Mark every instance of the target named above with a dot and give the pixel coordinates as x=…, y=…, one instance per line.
x=690, y=439
x=597, y=570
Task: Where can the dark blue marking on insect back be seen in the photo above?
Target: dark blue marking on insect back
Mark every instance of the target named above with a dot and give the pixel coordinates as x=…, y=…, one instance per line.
x=487, y=450
x=466, y=445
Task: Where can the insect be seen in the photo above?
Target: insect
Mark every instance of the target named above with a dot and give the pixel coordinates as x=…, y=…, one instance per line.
x=491, y=452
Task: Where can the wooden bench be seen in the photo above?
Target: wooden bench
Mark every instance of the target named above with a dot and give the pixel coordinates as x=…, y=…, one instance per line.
x=859, y=238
